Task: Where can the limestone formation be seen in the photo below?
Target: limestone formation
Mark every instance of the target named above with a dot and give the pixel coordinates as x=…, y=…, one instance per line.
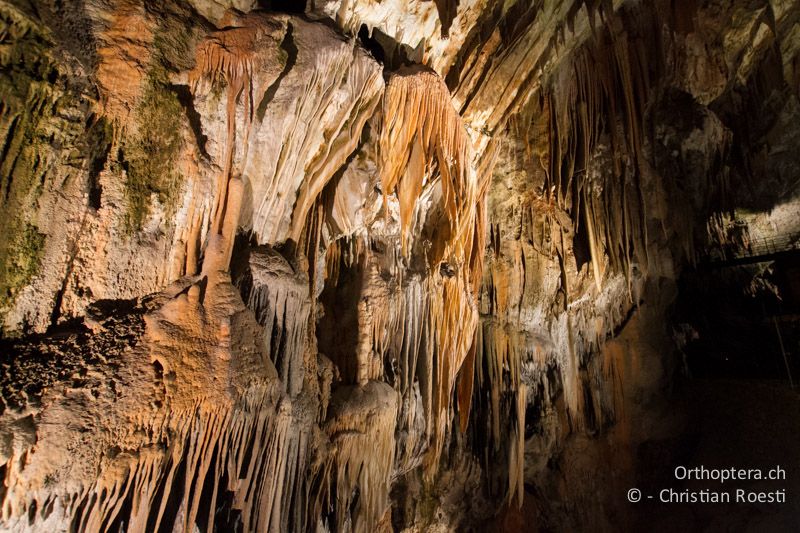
x=359, y=265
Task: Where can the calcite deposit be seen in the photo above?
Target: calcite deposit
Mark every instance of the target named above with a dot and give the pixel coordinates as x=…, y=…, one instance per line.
x=360, y=265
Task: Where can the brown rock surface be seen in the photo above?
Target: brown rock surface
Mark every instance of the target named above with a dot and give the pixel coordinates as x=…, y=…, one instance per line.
x=358, y=265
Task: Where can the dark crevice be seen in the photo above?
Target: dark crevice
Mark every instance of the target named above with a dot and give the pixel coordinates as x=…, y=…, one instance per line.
x=99, y=141
x=109, y=307
x=59, y=299
x=296, y=7
x=277, y=343
x=195, y=123
x=447, y=12
x=32, y=513
x=386, y=50
x=371, y=44
x=95, y=194
x=122, y=519
x=288, y=46
x=207, y=492
x=7, y=147
x=84, y=506
x=534, y=412
x=11, y=171
x=3, y=469
x=580, y=245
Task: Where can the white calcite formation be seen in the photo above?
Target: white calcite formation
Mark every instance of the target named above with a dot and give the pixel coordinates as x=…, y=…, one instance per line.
x=375, y=266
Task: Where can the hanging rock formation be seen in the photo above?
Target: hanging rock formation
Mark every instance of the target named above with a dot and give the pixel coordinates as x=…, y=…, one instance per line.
x=347, y=265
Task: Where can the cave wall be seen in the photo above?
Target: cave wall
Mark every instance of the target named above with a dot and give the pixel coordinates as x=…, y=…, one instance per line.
x=353, y=265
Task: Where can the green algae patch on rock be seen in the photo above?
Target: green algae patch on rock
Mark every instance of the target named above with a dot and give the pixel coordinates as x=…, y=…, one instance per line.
x=20, y=263
x=149, y=154
x=150, y=151
x=32, y=127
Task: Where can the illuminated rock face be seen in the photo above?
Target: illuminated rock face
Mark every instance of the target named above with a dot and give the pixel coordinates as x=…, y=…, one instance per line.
x=383, y=265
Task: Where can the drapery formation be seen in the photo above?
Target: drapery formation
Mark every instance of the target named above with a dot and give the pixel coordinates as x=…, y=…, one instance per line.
x=262, y=271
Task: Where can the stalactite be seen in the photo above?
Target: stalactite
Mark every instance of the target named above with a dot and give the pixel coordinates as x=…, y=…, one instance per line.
x=424, y=142
x=344, y=141
x=602, y=102
x=362, y=433
x=237, y=446
x=231, y=56
x=163, y=449
x=309, y=126
x=516, y=458
x=279, y=298
x=423, y=137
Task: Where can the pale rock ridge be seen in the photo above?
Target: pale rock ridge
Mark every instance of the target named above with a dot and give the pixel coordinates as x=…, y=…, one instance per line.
x=284, y=161
x=428, y=36
x=462, y=240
